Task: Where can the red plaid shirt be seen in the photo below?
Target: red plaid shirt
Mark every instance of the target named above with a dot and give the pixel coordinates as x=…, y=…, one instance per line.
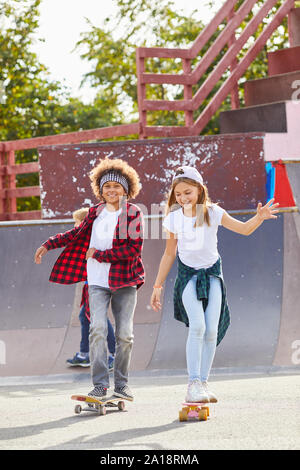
x=85, y=301
x=125, y=255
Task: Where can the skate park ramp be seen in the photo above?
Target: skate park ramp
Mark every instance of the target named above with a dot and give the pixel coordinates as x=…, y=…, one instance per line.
x=39, y=326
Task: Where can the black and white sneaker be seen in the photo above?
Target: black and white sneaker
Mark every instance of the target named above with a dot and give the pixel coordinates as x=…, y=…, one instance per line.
x=98, y=392
x=123, y=392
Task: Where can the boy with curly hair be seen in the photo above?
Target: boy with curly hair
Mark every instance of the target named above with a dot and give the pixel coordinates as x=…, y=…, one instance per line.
x=106, y=251
x=82, y=358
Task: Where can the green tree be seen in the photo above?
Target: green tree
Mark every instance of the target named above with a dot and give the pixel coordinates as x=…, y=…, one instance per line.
x=113, y=57
x=32, y=104
x=27, y=92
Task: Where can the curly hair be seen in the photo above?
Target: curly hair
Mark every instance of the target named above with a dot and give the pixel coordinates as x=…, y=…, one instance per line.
x=116, y=164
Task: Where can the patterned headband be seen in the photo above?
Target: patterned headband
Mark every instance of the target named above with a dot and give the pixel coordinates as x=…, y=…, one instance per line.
x=114, y=176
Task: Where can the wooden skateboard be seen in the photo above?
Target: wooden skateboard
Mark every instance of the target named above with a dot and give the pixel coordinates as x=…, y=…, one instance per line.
x=194, y=410
x=96, y=405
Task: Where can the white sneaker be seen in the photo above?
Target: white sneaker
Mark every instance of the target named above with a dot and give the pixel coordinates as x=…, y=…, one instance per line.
x=196, y=393
x=212, y=397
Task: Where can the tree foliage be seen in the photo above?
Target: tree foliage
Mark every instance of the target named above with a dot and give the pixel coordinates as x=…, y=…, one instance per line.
x=34, y=105
x=27, y=93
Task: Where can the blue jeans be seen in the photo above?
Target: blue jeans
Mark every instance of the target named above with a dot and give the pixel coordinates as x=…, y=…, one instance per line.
x=123, y=302
x=203, y=328
x=85, y=331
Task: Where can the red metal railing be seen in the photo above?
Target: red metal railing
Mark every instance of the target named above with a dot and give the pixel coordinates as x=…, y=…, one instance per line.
x=9, y=169
x=191, y=77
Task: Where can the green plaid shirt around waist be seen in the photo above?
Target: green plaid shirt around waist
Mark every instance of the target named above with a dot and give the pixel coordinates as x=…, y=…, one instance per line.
x=185, y=273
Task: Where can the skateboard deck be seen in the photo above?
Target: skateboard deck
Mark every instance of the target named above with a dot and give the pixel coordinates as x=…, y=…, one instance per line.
x=96, y=405
x=194, y=410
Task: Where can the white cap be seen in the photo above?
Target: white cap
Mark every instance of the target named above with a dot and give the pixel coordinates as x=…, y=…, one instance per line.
x=188, y=172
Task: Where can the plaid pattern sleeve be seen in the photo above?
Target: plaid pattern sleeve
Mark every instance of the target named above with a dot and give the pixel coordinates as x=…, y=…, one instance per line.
x=70, y=267
x=61, y=239
x=185, y=273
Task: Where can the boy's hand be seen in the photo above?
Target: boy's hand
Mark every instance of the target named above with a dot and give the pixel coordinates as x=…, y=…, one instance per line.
x=155, y=299
x=41, y=251
x=89, y=253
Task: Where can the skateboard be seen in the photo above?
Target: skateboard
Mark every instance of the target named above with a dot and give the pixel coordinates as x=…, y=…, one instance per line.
x=96, y=405
x=194, y=410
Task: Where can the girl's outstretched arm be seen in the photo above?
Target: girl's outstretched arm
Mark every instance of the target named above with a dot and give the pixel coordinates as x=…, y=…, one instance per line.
x=246, y=228
x=165, y=265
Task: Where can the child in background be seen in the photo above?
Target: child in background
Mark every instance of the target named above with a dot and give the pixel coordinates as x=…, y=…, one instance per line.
x=192, y=223
x=82, y=358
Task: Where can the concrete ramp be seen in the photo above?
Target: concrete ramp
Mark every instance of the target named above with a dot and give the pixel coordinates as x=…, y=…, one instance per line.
x=39, y=327
x=34, y=313
x=262, y=278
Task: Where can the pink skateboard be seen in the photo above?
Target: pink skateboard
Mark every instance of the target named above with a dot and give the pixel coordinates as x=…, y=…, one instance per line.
x=194, y=410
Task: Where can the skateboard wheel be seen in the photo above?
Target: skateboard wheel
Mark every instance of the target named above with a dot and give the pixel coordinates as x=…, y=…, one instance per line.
x=102, y=410
x=121, y=405
x=202, y=414
x=77, y=409
x=183, y=416
x=206, y=408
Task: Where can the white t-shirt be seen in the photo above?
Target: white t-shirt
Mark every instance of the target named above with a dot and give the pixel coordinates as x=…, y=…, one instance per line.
x=197, y=247
x=102, y=239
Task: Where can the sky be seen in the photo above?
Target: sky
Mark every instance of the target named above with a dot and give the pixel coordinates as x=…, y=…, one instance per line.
x=62, y=21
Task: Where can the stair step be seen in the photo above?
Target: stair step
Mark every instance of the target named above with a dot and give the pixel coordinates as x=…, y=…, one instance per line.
x=272, y=89
x=284, y=61
x=260, y=118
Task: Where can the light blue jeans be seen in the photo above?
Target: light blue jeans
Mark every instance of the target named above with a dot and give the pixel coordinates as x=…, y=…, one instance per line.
x=203, y=328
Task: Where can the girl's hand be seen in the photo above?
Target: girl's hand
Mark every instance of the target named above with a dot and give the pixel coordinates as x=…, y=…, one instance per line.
x=41, y=251
x=155, y=299
x=89, y=253
x=267, y=211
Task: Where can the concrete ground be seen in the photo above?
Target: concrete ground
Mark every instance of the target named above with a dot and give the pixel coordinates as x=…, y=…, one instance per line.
x=254, y=412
